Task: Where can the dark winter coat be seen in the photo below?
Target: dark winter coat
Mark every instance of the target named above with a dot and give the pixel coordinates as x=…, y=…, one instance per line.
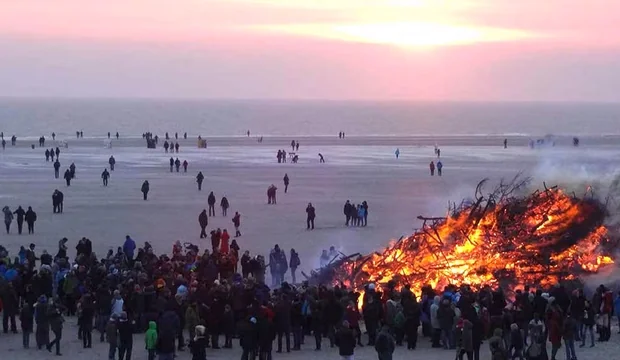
x=345, y=340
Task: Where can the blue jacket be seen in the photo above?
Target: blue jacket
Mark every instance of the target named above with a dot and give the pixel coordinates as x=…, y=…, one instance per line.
x=617, y=306
x=129, y=247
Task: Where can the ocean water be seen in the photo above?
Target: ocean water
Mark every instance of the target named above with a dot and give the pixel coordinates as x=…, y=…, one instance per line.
x=34, y=117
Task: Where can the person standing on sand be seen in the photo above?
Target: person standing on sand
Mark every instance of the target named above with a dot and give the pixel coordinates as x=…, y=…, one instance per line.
x=397, y=152
x=166, y=146
x=145, y=189
x=177, y=164
x=199, y=179
x=292, y=145
x=176, y=135
x=224, y=205
x=297, y=146
x=294, y=263
x=3, y=144
x=112, y=162
x=438, y=152
x=47, y=155
x=105, y=175
x=20, y=219
x=53, y=136
x=432, y=168
x=8, y=218
x=72, y=170
x=237, y=222
x=203, y=220
x=211, y=202
x=68, y=177
x=505, y=143
x=176, y=147
x=52, y=154
x=365, y=206
x=286, y=182
x=311, y=214
x=117, y=135
x=30, y=218
x=439, y=167
x=185, y=136
x=57, y=152
x=171, y=164
x=57, y=200
x=185, y=166
x=57, y=169
x=108, y=134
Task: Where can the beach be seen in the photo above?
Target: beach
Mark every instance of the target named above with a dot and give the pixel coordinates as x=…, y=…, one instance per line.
x=357, y=169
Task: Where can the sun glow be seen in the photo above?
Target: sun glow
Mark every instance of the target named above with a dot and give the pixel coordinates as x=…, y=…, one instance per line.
x=404, y=34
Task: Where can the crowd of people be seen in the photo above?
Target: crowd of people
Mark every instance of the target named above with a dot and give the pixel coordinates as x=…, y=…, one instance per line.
x=356, y=215
x=134, y=291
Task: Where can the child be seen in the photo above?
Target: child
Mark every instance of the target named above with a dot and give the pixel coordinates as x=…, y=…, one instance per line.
x=150, y=339
x=516, y=342
x=26, y=317
x=229, y=326
x=198, y=346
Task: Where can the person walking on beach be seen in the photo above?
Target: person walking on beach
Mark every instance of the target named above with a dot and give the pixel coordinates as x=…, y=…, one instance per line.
x=145, y=189
x=52, y=154
x=271, y=194
x=55, y=321
x=185, y=136
x=292, y=145
x=432, y=168
x=68, y=177
x=311, y=214
x=185, y=166
x=203, y=220
x=8, y=218
x=53, y=136
x=505, y=143
x=171, y=164
x=176, y=135
x=438, y=152
x=286, y=182
x=57, y=201
x=397, y=152
x=3, y=144
x=72, y=170
x=224, y=205
x=108, y=134
x=439, y=167
x=177, y=164
x=57, y=152
x=125, y=337
x=20, y=219
x=321, y=158
x=57, y=169
x=199, y=179
x=166, y=146
x=237, y=223
x=105, y=175
x=176, y=147
x=47, y=155
x=112, y=162
x=166, y=135
x=211, y=202
x=117, y=135
x=30, y=218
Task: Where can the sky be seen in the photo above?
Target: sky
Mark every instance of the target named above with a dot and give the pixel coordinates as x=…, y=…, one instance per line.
x=454, y=50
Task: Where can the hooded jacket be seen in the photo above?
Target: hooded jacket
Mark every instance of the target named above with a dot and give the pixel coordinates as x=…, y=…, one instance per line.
x=434, y=309
x=150, y=338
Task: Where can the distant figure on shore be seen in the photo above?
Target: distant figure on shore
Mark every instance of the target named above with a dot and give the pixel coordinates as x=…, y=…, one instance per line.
x=283, y=156
x=57, y=152
x=347, y=212
x=41, y=141
x=438, y=152
x=286, y=182
x=167, y=137
x=575, y=141
x=8, y=218
x=81, y=134
x=30, y=218
x=199, y=179
x=505, y=143
x=185, y=136
x=72, y=170
x=58, y=201
x=177, y=164
x=176, y=147
x=397, y=152
x=109, y=134
x=112, y=162
x=57, y=169
x=279, y=156
x=340, y=135
x=248, y=133
x=321, y=159
x=185, y=166
x=211, y=202
x=439, y=167
x=203, y=220
x=237, y=223
x=52, y=154
x=432, y=167
x=176, y=135
x=295, y=159
x=105, y=175
x=293, y=145
x=311, y=215
x=117, y=135
x=145, y=189
x=171, y=164
x=297, y=146
x=47, y=155
x=224, y=204
x=3, y=144
x=53, y=136
x=166, y=146
x=271, y=194
x=13, y=140
x=68, y=177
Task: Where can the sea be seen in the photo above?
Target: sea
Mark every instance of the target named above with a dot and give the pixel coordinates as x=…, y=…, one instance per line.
x=27, y=118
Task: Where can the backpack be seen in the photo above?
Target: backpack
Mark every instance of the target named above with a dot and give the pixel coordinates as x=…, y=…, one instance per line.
x=399, y=319
x=534, y=351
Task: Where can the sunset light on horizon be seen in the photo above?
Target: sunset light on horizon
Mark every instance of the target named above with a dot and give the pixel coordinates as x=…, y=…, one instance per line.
x=419, y=49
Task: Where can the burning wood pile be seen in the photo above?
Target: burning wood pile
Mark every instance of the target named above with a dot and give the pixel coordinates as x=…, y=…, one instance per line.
x=501, y=239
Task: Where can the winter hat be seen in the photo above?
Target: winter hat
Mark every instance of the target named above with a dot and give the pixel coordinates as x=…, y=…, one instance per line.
x=253, y=320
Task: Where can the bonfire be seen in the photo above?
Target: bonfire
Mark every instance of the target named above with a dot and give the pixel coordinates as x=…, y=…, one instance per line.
x=500, y=239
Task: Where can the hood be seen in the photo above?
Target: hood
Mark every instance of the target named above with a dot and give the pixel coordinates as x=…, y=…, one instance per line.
x=152, y=325
x=436, y=300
